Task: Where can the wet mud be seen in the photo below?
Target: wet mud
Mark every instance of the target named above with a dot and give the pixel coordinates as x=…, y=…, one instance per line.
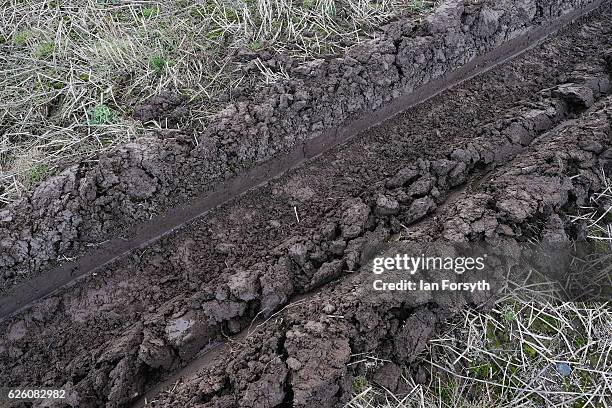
x=91, y=203
x=499, y=158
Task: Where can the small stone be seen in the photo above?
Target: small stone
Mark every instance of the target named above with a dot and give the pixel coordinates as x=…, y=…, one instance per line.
x=5, y=216
x=388, y=376
x=328, y=231
x=421, y=376
x=329, y=309
x=591, y=146
x=422, y=186
x=504, y=229
x=222, y=293
x=386, y=205
x=462, y=155
x=442, y=167
x=458, y=175
x=233, y=326
x=294, y=363
x=319, y=256
x=354, y=218
x=564, y=369
x=314, y=327
x=244, y=285
x=326, y=273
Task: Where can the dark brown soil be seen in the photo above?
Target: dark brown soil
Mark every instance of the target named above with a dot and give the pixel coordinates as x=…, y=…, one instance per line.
x=91, y=203
x=500, y=157
x=301, y=357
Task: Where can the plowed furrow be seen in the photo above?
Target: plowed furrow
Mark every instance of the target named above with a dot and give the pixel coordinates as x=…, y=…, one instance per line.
x=480, y=160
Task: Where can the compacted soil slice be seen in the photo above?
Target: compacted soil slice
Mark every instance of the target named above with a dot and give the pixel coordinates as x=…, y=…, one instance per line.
x=423, y=175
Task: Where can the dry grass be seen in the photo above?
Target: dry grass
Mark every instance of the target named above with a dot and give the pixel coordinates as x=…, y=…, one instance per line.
x=534, y=349
x=525, y=353
x=597, y=267
x=70, y=71
x=597, y=216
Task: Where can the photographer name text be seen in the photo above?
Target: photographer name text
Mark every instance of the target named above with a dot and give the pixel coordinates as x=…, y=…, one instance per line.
x=405, y=285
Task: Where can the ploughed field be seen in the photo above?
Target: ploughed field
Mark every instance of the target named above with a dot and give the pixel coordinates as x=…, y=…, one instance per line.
x=264, y=301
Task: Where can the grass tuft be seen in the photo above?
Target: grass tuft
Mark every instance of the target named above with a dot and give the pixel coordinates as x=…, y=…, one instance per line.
x=360, y=384
x=101, y=115
x=37, y=173
x=149, y=12
x=22, y=37
x=45, y=50
x=158, y=64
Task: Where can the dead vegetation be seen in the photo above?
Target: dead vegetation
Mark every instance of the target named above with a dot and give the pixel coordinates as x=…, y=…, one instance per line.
x=525, y=353
x=72, y=71
x=534, y=349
